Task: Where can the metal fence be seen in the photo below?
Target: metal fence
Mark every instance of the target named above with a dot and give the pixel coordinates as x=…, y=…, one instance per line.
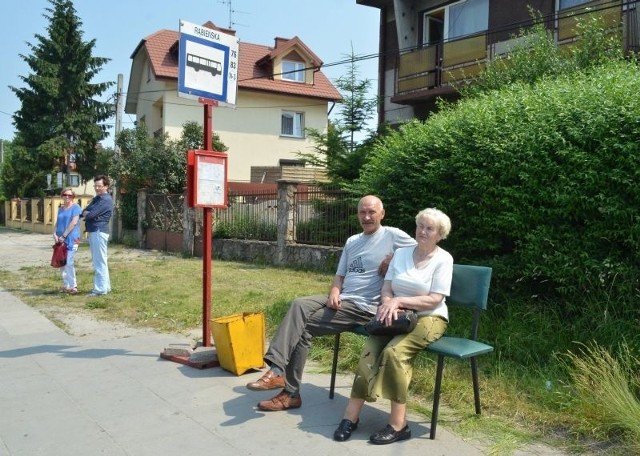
x=164, y=212
x=249, y=215
x=324, y=216
x=320, y=216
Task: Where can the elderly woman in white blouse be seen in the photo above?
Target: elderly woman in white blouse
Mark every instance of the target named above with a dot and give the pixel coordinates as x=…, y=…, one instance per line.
x=419, y=278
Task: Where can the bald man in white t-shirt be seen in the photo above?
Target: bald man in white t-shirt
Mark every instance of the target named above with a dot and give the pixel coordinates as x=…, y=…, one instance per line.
x=352, y=301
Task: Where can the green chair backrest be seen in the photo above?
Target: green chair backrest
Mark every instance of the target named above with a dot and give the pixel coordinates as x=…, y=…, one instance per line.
x=470, y=286
x=470, y=289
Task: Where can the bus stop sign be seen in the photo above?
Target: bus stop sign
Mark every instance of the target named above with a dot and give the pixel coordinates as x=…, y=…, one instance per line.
x=207, y=64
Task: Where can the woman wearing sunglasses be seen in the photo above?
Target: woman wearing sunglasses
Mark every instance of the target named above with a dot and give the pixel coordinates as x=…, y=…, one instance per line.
x=68, y=231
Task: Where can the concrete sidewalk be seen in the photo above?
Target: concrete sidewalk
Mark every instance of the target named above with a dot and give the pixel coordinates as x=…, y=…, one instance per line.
x=66, y=395
x=60, y=396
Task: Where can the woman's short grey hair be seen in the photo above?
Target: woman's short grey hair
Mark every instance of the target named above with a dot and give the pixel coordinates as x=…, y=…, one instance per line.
x=442, y=220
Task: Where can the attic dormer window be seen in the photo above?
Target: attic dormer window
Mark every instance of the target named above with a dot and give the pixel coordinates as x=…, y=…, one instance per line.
x=292, y=71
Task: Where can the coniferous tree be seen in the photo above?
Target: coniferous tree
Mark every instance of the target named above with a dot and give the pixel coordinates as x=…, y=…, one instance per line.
x=337, y=149
x=357, y=108
x=60, y=113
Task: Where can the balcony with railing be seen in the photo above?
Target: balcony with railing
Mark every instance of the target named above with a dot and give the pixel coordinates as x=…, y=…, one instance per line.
x=435, y=70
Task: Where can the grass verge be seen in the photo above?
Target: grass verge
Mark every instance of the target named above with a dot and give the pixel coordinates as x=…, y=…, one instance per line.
x=521, y=406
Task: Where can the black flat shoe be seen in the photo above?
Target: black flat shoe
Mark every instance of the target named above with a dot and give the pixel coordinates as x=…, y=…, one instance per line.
x=345, y=428
x=390, y=435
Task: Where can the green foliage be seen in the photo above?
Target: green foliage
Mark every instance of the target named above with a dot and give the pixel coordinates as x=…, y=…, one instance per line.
x=128, y=209
x=193, y=138
x=7, y=148
x=607, y=387
x=598, y=43
x=315, y=231
x=104, y=160
x=59, y=110
x=356, y=108
x=246, y=227
x=540, y=182
x=330, y=151
x=157, y=164
x=534, y=54
x=20, y=173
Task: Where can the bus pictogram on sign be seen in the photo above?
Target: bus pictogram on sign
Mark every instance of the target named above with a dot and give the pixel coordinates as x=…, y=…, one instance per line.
x=202, y=63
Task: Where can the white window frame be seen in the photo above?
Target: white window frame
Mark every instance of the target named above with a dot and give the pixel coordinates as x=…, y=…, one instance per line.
x=296, y=121
x=73, y=180
x=293, y=71
x=447, y=19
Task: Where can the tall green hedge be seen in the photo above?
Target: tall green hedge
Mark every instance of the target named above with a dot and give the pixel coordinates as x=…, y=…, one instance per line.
x=541, y=182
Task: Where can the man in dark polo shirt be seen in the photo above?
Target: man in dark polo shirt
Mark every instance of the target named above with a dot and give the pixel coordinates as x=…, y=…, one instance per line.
x=97, y=216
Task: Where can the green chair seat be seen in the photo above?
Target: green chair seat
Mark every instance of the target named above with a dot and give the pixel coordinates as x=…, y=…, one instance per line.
x=457, y=347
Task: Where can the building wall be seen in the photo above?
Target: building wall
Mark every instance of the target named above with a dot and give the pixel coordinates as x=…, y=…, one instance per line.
x=394, y=113
x=505, y=12
x=251, y=129
x=401, y=29
x=151, y=98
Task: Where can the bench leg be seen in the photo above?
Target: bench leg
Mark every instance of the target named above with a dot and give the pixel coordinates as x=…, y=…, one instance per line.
x=334, y=365
x=436, y=397
x=476, y=383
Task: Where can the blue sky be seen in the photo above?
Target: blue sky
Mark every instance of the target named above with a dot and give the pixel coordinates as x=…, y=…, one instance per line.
x=329, y=27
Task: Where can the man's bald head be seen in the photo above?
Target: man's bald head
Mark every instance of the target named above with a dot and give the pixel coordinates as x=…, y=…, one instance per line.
x=370, y=213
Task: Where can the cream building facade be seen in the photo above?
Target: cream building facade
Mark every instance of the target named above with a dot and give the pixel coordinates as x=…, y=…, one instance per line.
x=281, y=92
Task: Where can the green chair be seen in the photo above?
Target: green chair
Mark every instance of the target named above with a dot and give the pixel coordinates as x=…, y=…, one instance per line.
x=469, y=289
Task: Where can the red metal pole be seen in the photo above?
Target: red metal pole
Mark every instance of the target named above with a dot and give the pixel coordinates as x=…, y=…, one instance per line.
x=206, y=240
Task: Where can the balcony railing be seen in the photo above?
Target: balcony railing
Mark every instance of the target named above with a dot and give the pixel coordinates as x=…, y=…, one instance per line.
x=445, y=64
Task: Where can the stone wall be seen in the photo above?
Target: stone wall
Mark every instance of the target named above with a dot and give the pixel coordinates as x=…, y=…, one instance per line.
x=313, y=257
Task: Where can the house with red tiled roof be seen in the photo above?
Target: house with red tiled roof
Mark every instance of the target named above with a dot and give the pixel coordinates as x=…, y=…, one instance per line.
x=281, y=92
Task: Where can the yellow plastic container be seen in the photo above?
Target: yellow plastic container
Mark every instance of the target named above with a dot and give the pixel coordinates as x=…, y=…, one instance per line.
x=240, y=341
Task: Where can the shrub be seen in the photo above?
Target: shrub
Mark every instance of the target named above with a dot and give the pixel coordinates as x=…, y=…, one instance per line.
x=540, y=182
x=129, y=210
x=608, y=389
x=246, y=227
x=331, y=222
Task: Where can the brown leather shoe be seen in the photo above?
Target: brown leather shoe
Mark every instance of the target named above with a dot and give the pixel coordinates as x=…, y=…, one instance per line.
x=281, y=401
x=268, y=381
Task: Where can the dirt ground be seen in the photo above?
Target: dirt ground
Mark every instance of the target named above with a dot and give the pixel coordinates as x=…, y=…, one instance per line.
x=19, y=249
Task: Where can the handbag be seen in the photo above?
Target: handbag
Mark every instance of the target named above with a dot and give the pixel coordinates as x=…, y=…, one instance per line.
x=405, y=323
x=59, y=257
